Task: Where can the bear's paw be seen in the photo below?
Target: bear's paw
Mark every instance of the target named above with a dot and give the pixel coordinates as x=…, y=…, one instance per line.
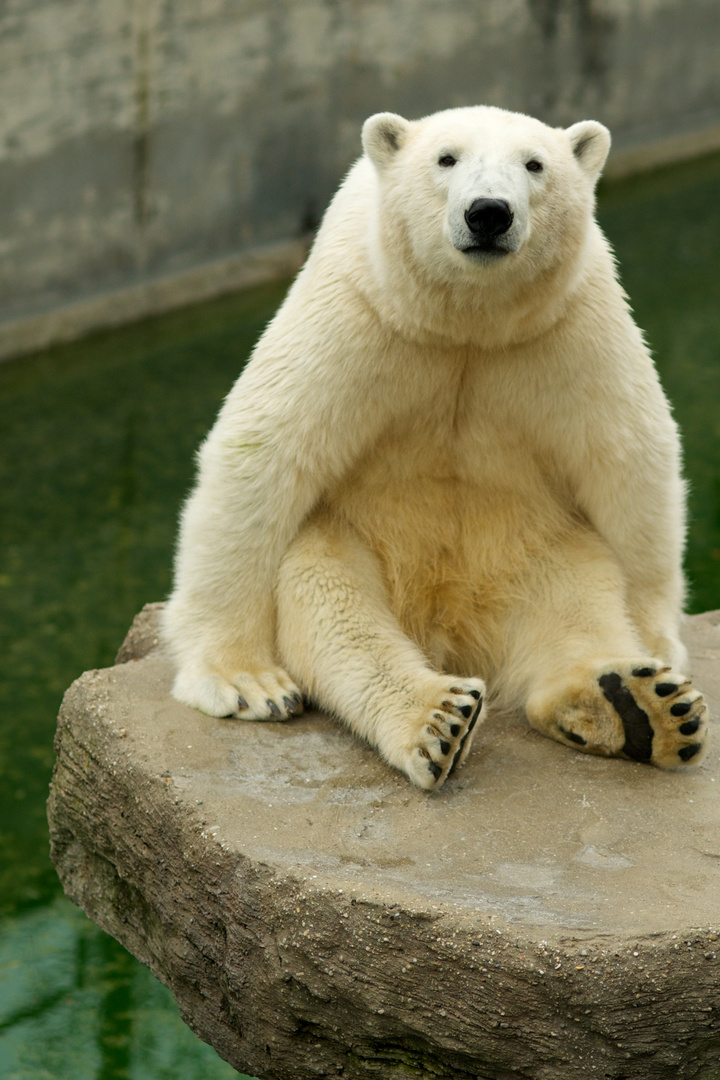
x=663, y=717
x=266, y=695
x=444, y=736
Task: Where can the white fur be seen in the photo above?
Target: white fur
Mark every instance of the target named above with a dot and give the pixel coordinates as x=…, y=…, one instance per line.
x=437, y=461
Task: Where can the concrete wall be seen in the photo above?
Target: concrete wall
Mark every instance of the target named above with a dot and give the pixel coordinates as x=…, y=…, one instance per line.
x=146, y=142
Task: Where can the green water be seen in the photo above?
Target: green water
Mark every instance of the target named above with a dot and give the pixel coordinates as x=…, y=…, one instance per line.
x=97, y=446
x=96, y=453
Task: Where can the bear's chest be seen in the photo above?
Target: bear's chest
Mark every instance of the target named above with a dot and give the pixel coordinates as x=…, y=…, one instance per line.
x=454, y=469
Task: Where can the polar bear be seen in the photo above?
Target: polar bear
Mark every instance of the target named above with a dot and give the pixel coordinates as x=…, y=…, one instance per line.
x=449, y=465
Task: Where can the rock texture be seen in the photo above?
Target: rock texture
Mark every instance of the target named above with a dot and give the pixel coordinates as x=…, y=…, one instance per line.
x=546, y=915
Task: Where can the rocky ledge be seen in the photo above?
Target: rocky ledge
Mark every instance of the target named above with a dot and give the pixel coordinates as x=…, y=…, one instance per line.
x=546, y=915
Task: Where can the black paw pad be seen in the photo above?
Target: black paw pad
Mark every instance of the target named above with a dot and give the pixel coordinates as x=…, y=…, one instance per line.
x=435, y=769
x=455, y=760
x=680, y=708
x=689, y=727
x=687, y=752
x=638, y=732
x=466, y=736
x=454, y=730
x=664, y=689
x=573, y=736
x=466, y=710
x=644, y=672
x=473, y=722
x=475, y=694
x=444, y=747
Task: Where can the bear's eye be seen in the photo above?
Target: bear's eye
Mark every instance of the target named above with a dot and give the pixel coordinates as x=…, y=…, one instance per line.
x=534, y=166
x=447, y=161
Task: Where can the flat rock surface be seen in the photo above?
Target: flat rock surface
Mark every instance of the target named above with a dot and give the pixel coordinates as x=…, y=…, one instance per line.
x=547, y=914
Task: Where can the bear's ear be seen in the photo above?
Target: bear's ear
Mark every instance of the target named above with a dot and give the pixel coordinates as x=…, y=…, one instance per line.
x=590, y=142
x=382, y=136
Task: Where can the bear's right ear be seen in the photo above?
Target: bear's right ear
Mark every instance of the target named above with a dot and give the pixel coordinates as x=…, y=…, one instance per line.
x=382, y=136
x=590, y=142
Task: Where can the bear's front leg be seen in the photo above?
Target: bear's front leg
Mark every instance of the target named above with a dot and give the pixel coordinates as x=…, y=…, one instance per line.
x=219, y=623
x=225, y=661
x=308, y=404
x=340, y=640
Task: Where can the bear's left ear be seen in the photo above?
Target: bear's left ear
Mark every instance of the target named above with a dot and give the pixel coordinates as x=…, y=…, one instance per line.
x=382, y=136
x=590, y=142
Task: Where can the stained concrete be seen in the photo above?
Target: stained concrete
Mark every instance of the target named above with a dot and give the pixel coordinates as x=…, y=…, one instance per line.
x=547, y=914
x=143, y=140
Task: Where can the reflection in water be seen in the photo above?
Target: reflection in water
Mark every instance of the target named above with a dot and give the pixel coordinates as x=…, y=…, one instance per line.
x=97, y=445
x=117, y=1011
x=75, y=1006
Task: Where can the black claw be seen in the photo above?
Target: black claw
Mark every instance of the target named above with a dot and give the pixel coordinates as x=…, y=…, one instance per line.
x=473, y=722
x=454, y=730
x=690, y=751
x=475, y=694
x=242, y=703
x=466, y=710
x=644, y=672
x=444, y=747
x=437, y=771
x=680, y=708
x=274, y=710
x=292, y=706
x=664, y=689
x=689, y=727
x=458, y=754
x=573, y=736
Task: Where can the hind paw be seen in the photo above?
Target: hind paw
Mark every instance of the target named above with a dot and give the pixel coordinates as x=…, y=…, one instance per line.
x=637, y=708
x=664, y=719
x=443, y=739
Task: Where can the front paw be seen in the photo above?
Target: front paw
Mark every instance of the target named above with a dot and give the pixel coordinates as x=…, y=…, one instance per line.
x=267, y=694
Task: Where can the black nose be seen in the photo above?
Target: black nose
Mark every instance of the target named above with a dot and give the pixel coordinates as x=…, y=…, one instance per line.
x=488, y=218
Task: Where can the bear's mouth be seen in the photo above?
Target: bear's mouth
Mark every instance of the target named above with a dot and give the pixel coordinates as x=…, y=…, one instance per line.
x=494, y=251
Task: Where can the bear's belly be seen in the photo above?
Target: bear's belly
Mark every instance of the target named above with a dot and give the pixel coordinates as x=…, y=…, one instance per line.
x=456, y=544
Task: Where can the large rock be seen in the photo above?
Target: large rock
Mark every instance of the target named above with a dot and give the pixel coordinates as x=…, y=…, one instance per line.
x=546, y=915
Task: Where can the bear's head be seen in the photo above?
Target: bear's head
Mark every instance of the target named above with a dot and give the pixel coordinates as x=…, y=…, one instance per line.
x=485, y=194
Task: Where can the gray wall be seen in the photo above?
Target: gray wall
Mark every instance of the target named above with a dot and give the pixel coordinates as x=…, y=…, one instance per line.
x=144, y=138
